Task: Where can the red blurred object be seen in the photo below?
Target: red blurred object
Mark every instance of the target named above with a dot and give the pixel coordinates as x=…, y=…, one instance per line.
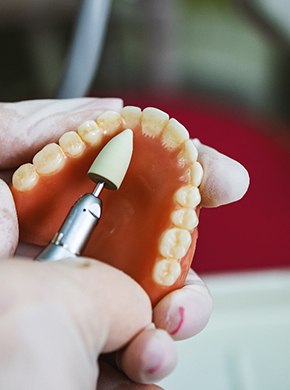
x=253, y=233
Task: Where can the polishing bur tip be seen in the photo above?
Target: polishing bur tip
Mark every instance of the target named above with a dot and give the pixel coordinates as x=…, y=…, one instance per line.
x=111, y=164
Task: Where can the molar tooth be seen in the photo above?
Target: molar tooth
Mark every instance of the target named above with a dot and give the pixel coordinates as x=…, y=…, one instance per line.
x=188, y=196
x=90, y=132
x=166, y=272
x=110, y=122
x=49, y=160
x=184, y=218
x=174, y=134
x=174, y=243
x=189, y=153
x=153, y=121
x=196, y=174
x=25, y=177
x=131, y=116
x=72, y=144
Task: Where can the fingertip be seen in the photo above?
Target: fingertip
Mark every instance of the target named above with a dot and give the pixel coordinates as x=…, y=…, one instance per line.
x=225, y=179
x=185, y=312
x=238, y=181
x=150, y=357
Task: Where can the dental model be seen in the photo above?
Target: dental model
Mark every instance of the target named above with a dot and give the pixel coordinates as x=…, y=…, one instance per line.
x=148, y=227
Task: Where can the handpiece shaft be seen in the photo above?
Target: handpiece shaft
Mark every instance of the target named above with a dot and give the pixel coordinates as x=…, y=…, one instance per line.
x=98, y=189
x=75, y=231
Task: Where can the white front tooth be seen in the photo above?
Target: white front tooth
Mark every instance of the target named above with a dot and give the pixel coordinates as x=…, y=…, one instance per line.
x=90, y=132
x=49, y=160
x=25, y=177
x=184, y=218
x=196, y=174
x=110, y=122
x=72, y=144
x=189, y=153
x=153, y=121
x=174, y=134
x=131, y=116
x=174, y=243
x=188, y=196
x=166, y=272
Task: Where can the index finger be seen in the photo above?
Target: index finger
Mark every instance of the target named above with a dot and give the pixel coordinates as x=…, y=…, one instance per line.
x=29, y=125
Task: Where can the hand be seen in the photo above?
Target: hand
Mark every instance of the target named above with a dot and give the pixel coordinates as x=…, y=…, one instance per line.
x=182, y=313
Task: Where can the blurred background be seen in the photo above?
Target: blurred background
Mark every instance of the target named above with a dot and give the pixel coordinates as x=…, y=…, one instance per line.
x=231, y=49
x=227, y=48
x=221, y=67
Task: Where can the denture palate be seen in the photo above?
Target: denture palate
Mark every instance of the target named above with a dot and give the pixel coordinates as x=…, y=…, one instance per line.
x=149, y=226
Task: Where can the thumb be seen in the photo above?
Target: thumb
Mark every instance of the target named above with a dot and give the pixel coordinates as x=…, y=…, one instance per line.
x=58, y=317
x=105, y=299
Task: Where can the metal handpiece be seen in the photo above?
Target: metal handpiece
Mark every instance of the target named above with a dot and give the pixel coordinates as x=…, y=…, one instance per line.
x=76, y=230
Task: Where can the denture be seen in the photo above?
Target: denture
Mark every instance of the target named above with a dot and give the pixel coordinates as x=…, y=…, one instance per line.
x=148, y=228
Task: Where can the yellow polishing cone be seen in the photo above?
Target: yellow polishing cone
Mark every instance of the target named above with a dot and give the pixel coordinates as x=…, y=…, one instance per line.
x=111, y=164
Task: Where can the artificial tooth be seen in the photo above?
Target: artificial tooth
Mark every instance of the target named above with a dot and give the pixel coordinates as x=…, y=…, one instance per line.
x=166, y=272
x=153, y=121
x=72, y=144
x=90, y=132
x=174, y=243
x=131, y=116
x=196, y=174
x=174, y=134
x=189, y=153
x=188, y=196
x=184, y=218
x=110, y=122
x=49, y=160
x=25, y=177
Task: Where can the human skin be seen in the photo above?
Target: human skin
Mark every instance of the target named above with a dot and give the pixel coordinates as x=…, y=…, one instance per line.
x=57, y=315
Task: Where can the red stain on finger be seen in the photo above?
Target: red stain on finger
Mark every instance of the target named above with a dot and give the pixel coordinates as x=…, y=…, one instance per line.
x=180, y=322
